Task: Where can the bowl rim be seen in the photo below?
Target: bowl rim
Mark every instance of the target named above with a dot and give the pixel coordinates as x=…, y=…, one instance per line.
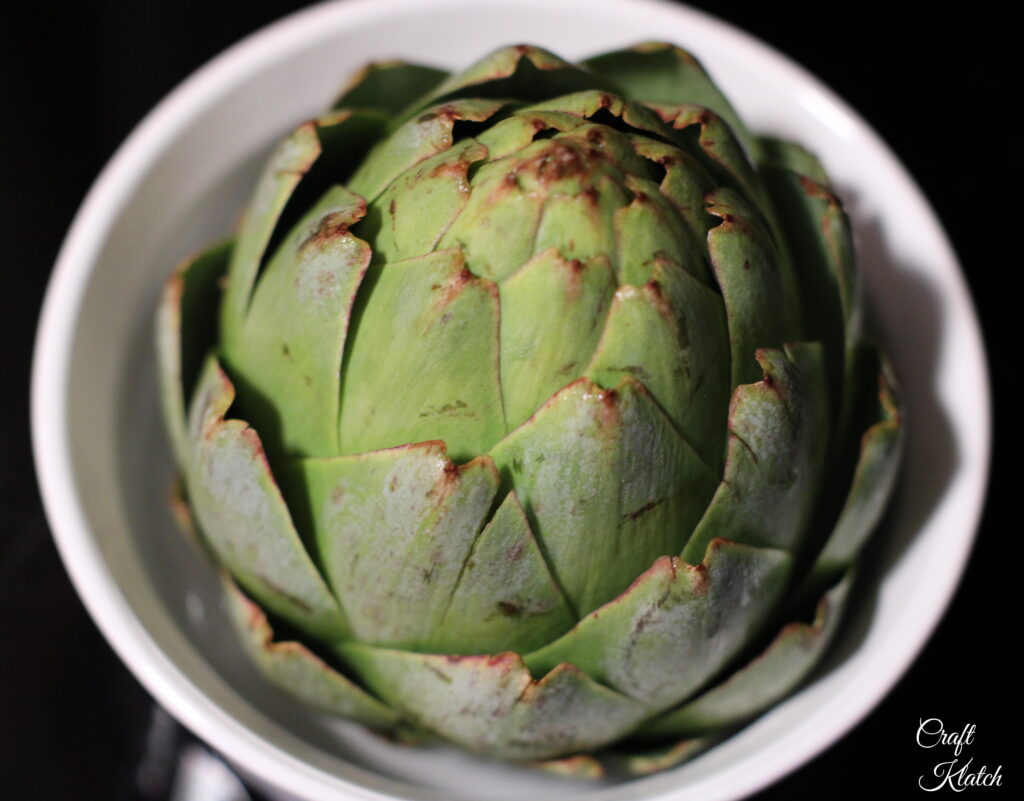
x=81, y=554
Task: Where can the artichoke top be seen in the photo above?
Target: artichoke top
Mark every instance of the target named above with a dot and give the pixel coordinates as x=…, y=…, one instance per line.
x=539, y=360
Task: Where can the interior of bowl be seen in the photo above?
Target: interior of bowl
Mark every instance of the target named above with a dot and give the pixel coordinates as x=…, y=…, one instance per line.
x=180, y=182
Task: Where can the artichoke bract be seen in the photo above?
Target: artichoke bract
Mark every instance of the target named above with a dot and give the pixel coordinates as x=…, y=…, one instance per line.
x=529, y=408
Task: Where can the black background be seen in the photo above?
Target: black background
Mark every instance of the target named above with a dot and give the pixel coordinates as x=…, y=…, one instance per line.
x=75, y=80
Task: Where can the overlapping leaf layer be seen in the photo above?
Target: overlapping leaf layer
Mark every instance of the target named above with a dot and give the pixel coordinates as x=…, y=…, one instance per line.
x=539, y=409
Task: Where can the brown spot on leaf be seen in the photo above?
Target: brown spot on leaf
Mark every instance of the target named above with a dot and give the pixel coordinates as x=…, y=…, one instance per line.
x=700, y=577
x=556, y=162
x=608, y=412
x=448, y=408
x=453, y=167
x=448, y=113
x=438, y=672
x=816, y=190
x=333, y=226
x=647, y=507
x=509, y=609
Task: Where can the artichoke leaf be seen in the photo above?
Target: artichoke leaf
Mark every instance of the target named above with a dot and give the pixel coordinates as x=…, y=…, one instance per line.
x=497, y=227
x=505, y=598
x=552, y=314
x=782, y=155
x=388, y=86
x=649, y=230
x=521, y=128
x=670, y=335
x=290, y=665
x=492, y=705
x=416, y=210
x=657, y=73
x=605, y=144
x=579, y=222
x=522, y=71
x=607, y=483
x=779, y=431
x=394, y=530
x=294, y=668
x=577, y=766
x=423, y=361
x=686, y=184
x=874, y=477
x=317, y=155
x=289, y=357
x=708, y=137
x=749, y=268
x=645, y=761
x=820, y=242
x=557, y=192
x=677, y=625
x=790, y=657
x=243, y=517
x=420, y=138
x=591, y=104
x=186, y=326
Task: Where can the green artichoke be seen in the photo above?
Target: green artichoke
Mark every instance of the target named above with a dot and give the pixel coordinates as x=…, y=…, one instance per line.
x=537, y=415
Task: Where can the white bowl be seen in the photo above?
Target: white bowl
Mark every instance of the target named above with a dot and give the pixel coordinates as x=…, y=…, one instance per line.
x=176, y=185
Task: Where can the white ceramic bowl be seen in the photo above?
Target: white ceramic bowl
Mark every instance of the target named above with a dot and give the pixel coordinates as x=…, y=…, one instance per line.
x=176, y=185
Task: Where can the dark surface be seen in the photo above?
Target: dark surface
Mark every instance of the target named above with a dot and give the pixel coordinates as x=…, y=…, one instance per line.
x=73, y=722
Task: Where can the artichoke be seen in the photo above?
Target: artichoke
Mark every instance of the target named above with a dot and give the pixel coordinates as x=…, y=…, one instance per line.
x=536, y=415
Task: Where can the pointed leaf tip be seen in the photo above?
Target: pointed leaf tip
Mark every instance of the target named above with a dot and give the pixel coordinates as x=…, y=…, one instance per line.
x=293, y=667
